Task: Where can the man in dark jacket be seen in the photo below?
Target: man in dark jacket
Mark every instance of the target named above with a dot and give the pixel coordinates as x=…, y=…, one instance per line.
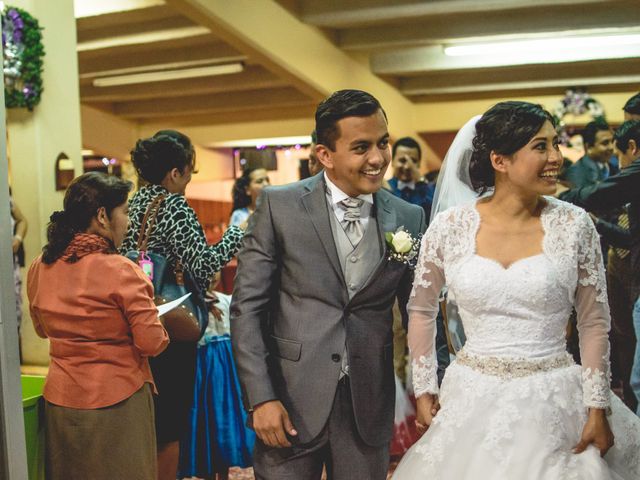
x=622, y=190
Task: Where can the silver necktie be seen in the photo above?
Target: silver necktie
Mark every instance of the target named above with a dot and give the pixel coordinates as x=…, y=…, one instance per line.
x=351, y=221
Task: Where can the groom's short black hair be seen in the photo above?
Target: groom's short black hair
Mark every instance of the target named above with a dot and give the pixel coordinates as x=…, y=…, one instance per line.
x=342, y=104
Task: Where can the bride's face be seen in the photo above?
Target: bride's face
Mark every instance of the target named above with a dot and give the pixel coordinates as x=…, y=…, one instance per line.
x=535, y=166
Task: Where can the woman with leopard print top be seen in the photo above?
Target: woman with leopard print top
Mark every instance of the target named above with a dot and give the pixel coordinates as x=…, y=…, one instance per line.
x=178, y=235
x=166, y=161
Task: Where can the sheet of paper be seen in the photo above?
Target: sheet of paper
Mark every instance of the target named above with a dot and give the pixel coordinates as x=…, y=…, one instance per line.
x=167, y=307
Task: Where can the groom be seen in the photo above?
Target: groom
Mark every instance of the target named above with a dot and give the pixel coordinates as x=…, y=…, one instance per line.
x=311, y=312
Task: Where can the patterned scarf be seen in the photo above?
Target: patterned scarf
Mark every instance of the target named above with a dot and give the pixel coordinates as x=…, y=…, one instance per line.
x=84, y=244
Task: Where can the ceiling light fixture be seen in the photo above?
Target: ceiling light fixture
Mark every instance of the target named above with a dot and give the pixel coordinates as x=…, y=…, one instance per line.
x=165, y=75
x=258, y=142
x=550, y=46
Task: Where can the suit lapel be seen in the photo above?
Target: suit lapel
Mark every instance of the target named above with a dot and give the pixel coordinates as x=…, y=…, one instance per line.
x=315, y=202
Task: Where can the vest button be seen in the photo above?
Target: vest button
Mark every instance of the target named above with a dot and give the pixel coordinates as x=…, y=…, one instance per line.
x=335, y=357
x=354, y=259
x=352, y=286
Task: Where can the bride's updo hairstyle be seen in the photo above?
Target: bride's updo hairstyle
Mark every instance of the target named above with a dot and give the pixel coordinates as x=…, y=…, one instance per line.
x=155, y=156
x=504, y=129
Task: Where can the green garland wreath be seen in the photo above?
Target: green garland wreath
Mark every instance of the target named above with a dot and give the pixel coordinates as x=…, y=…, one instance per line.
x=22, y=63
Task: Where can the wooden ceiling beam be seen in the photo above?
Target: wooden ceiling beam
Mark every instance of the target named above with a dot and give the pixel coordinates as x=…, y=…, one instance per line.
x=551, y=75
x=517, y=93
x=527, y=22
x=252, y=78
x=219, y=102
x=204, y=47
x=303, y=111
x=130, y=28
x=124, y=17
x=358, y=13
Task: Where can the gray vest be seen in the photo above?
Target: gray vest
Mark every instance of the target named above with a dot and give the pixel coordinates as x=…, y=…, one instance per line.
x=357, y=264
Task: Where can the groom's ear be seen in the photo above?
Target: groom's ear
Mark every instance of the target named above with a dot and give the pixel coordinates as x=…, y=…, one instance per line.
x=498, y=161
x=325, y=156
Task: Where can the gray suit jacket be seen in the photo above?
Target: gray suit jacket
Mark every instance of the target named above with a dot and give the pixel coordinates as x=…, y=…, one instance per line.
x=291, y=314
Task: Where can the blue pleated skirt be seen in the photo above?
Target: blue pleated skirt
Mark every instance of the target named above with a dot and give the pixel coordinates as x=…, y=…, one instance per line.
x=217, y=438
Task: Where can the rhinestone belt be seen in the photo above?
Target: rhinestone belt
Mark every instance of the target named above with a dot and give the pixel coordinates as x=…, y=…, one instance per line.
x=508, y=368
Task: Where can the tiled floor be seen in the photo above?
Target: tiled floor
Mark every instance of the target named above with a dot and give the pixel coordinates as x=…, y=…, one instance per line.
x=234, y=473
x=247, y=474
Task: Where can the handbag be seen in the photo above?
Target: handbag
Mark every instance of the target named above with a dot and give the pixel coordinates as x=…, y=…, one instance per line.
x=188, y=321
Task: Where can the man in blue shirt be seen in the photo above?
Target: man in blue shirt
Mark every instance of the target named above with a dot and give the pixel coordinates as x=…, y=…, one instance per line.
x=406, y=182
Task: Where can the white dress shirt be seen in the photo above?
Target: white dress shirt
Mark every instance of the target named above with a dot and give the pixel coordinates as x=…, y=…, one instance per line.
x=335, y=196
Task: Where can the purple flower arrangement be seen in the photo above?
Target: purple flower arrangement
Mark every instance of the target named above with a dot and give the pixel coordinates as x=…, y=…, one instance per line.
x=22, y=62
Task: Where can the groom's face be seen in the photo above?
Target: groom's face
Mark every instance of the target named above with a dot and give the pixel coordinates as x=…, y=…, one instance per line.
x=361, y=156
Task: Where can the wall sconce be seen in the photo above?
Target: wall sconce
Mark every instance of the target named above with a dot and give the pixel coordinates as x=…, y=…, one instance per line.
x=64, y=171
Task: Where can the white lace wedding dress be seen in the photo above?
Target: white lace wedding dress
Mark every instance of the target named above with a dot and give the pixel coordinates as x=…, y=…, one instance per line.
x=514, y=403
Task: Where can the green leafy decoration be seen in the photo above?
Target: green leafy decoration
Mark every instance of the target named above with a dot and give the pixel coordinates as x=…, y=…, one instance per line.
x=25, y=90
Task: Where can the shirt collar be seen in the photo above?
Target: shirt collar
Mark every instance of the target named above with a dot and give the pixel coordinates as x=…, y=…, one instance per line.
x=402, y=185
x=338, y=195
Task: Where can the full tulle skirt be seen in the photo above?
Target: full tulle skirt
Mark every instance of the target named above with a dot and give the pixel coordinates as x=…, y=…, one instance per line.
x=522, y=428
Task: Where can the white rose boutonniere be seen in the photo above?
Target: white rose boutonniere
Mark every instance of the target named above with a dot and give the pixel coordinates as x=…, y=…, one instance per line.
x=402, y=246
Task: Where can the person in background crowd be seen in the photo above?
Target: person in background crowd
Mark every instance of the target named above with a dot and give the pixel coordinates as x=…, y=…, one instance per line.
x=166, y=161
x=406, y=183
x=431, y=178
x=632, y=108
x=96, y=308
x=595, y=165
x=622, y=191
x=218, y=437
x=19, y=228
x=245, y=194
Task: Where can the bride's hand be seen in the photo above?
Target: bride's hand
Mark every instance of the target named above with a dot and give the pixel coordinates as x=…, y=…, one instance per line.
x=597, y=432
x=427, y=408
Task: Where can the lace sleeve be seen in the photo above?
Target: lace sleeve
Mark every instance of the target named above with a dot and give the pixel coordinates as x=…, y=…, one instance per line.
x=593, y=316
x=423, y=309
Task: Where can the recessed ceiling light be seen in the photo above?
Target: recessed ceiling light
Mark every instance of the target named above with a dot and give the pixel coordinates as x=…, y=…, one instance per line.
x=552, y=46
x=166, y=75
x=263, y=142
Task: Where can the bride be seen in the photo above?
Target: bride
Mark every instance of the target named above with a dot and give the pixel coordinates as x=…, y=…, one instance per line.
x=514, y=405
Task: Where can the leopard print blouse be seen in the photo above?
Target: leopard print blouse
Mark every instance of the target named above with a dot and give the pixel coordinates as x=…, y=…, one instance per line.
x=178, y=235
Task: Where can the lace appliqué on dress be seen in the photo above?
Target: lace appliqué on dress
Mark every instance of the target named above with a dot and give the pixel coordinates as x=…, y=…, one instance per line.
x=595, y=385
x=590, y=262
x=424, y=376
x=452, y=228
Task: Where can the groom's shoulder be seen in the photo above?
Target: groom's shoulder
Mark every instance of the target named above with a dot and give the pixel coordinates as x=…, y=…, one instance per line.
x=405, y=211
x=290, y=190
x=398, y=204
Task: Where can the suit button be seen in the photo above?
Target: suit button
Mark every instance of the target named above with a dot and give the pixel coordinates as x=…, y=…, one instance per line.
x=354, y=259
x=335, y=357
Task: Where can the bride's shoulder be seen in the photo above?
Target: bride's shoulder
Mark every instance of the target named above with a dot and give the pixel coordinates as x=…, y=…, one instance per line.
x=455, y=215
x=563, y=213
